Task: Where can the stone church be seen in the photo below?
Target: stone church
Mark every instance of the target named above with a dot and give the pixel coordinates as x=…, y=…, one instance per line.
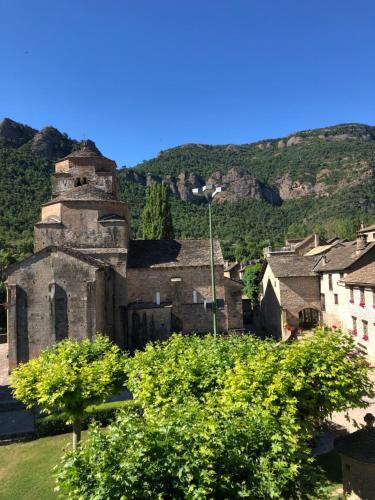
x=87, y=275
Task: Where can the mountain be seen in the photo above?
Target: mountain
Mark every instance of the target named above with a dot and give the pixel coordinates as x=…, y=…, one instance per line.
x=321, y=179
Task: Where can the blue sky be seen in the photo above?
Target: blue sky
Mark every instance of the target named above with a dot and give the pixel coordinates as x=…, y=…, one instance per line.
x=141, y=76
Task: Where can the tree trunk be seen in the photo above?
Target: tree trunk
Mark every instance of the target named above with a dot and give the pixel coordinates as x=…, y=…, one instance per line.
x=76, y=433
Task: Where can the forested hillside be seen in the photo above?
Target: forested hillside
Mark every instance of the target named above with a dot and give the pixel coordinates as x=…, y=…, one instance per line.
x=318, y=180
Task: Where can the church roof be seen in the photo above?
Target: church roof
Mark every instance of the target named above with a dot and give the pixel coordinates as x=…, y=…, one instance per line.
x=93, y=261
x=85, y=192
x=172, y=253
x=88, y=150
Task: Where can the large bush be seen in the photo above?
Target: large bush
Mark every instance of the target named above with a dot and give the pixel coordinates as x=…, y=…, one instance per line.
x=222, y=418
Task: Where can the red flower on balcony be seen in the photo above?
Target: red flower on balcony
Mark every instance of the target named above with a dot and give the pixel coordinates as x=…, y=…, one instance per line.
x=365, y=337
x=354, y=333
x=362, y=304
x=351, y=301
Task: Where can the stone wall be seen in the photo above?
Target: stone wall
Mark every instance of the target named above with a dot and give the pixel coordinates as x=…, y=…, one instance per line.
x=358, y=479
x=178, y=288
x=80, y=226
x=48, y=303
x=298, y=293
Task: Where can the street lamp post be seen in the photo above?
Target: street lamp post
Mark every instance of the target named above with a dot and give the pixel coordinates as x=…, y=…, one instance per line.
x=209, y=192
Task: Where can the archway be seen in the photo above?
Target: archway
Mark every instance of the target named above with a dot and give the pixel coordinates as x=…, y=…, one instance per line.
x=308, y=318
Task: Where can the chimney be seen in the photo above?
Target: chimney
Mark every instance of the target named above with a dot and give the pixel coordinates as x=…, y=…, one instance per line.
x=324, y=259
x=316, y=240
x=361, y=242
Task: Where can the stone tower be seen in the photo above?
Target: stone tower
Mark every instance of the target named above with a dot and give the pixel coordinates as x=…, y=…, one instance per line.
x=75, y=283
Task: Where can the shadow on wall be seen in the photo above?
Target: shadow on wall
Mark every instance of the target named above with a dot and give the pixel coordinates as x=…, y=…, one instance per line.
x=61, y=313
x=22, y=326
x=271, y=312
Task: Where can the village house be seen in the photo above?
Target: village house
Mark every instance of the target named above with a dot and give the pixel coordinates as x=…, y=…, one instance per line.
x=88, y=275
x=290, y=295
x=359, y=313
x=336, y=264
x=329, y=284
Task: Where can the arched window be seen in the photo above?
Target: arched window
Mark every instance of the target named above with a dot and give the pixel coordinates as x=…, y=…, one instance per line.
x=78, y=181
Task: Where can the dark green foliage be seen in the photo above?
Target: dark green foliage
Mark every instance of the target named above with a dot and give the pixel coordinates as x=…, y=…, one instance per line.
x=342, y=157
x=251, y=281
x=156, y=216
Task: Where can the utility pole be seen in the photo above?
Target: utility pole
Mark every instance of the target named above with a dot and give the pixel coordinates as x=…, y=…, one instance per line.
x=209, y=192
x=212, y=261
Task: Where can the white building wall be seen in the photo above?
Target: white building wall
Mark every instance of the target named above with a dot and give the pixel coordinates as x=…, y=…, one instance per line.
x=341, y=314
x=333, y=314
x=365, y=313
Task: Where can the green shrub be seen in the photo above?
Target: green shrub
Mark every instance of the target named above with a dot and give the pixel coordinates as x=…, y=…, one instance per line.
x=222, y=418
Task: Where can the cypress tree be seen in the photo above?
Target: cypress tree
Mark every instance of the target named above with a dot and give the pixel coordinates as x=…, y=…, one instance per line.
x=156, y=217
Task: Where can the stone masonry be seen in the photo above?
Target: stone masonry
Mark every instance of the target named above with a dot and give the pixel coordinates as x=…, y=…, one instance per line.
x=87, y=275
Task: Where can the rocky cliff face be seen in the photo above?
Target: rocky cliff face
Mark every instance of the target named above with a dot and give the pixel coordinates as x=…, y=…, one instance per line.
x=13, y=134
x=315, y=162
x=51, y=144
x=48, y=143
x=238, y=185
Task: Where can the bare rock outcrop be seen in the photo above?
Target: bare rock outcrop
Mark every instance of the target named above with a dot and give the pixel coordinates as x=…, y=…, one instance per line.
x=51, y=144
x=15, y=134
x=240, y=185
x=294, y=140
x=289, y=189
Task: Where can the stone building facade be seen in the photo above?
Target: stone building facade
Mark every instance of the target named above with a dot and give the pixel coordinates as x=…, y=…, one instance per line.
x=331, y=284
x=87, y=275
x=289, y=296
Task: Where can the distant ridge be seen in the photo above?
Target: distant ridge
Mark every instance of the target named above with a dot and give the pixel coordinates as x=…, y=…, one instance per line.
x=318, y=179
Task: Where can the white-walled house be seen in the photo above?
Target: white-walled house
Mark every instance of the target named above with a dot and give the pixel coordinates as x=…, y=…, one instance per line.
x=359, y=314
x=340, y=301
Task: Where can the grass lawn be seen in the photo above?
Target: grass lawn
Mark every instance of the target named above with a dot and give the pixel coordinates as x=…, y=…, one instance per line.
x=26, y=468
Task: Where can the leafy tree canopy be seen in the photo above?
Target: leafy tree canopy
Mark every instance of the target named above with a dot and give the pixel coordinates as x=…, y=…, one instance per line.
x=222, y=418
x=156, y=216
x=69, y=377
x=251, y=281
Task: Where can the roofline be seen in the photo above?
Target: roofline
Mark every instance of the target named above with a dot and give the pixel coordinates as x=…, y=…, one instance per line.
x=360, y=283
x=96, y=200
x=53, y=248
x=370, y=246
